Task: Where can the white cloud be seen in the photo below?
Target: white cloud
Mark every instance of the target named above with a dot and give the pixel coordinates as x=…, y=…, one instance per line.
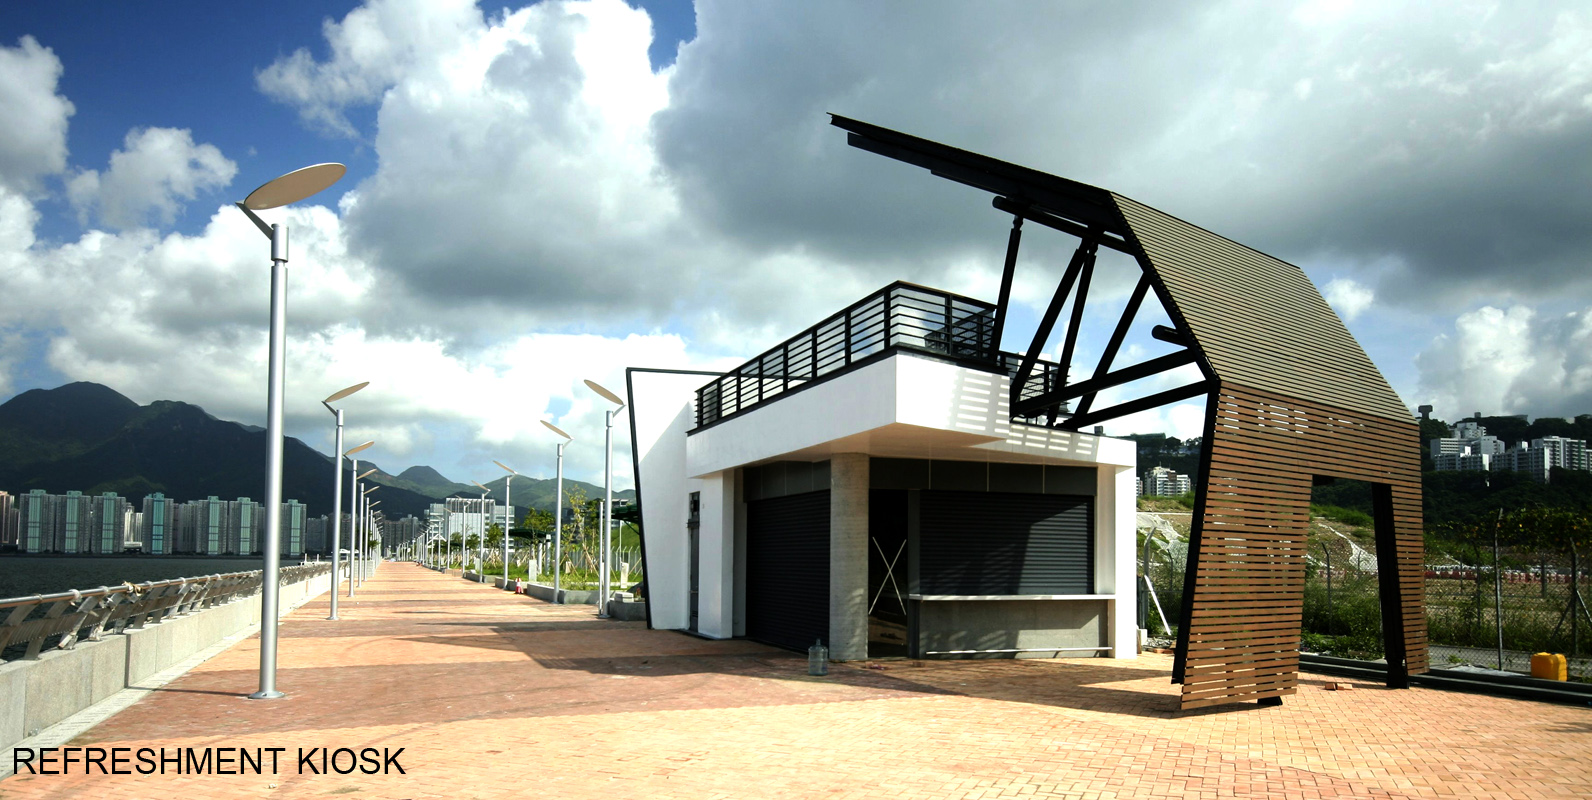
x=1349, y=297
x=1510, y=361
x=540, y=194
x=151, y=178
x=35, y=116
x=372, y=48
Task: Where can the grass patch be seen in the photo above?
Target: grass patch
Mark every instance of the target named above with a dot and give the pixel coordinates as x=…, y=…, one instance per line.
x=1347, y=516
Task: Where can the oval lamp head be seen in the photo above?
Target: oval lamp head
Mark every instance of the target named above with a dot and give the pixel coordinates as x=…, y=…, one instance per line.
x=557, y=430
x=359, y=448
x=505, y=466
x=483, y=488
x=607, y=395
x=294, y=186
x=373, y=487
x=346, y=392
x=365, y=474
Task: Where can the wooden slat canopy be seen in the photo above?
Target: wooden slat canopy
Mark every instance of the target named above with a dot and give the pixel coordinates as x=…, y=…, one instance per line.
x=1291, y=397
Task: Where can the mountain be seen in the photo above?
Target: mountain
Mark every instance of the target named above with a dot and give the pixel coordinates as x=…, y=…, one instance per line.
x=426, y=481
x=539, y=492
x=88, y=437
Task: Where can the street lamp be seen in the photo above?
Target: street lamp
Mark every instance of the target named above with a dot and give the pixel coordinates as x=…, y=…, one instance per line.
x=374, y=531
x=357, y=525
x=480, y=542
x=337, y=483
x=608, y=494
x=289, y=188
x=508, y=500
x=558, y=508
x=353, y=508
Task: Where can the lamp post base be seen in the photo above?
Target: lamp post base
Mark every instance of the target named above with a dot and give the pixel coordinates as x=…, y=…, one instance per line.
x=267, y=696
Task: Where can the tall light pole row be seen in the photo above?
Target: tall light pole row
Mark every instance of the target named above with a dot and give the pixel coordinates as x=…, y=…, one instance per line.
x=605, y=538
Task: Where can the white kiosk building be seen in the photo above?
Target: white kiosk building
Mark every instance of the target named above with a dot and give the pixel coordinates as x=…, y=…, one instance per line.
x=863, y=484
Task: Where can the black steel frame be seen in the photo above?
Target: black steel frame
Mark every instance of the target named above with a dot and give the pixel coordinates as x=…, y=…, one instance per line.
x=1076, y=209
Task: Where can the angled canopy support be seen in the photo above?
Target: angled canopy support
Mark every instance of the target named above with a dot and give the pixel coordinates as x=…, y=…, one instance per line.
x=1129, y=311
x=1291, y=398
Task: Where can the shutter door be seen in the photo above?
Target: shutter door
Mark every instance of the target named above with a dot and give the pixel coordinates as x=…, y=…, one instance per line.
x=993, y=543
x=787, y=570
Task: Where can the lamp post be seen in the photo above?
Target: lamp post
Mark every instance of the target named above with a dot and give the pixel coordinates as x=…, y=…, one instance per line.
x=289, y=188
x=508, y=500
x=372, y=554
x=608, y=494
x=337, y=483
x=558, y=509
x=480, y=542
x=356, y=523
x=363, y=543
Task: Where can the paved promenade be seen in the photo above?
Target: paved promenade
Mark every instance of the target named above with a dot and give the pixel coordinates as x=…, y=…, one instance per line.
x=491, y=695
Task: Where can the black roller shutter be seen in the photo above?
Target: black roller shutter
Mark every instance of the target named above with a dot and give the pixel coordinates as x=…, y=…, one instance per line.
x=787, y=570
x=992, y=543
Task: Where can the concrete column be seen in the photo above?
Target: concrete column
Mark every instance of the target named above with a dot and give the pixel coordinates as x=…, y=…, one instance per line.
x=716, y=535
x=1116, y=565
x=848, y=557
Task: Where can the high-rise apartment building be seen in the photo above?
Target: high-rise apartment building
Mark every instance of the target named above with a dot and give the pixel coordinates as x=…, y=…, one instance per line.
x=158, y=528
x=8, y=519
x=108, y=521
x=1165, y=482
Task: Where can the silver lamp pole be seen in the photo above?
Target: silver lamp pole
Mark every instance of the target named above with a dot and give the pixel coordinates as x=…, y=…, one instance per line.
x=558, y=509
x=337, y=484
x=608, y=495
x=480, y=541
x=356, y=520
x=508, y=499
x=289, y=188
x=369, y=525
x=373, y=552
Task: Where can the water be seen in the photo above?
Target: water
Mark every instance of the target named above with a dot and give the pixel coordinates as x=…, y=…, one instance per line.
x=45, y=574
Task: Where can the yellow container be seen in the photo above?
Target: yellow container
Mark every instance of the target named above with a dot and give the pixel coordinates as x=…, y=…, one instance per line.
x=1549, y=665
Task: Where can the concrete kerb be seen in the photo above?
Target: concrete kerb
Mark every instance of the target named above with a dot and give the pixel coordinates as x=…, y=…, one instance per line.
x=50, y=701
x=541, y=591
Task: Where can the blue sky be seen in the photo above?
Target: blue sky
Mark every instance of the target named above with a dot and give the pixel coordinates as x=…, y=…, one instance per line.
x=542, y=194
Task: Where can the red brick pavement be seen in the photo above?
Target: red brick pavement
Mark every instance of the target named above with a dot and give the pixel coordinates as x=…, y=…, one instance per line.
x=491, y=694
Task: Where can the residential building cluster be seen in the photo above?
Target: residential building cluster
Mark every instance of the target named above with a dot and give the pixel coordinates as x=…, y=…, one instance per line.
x=40, y=522
x=1163, y=482
x=1471, y=448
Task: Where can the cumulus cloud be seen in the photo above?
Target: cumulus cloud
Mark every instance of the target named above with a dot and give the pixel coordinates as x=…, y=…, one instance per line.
x=1456, y=138
x=372, y=49
x=151, y=178
x=541, y=194
x=1510, y=361
x=1348, y=297
x=34, y=143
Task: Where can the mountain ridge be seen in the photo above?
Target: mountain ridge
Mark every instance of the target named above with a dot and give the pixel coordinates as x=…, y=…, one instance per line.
x=88, y=437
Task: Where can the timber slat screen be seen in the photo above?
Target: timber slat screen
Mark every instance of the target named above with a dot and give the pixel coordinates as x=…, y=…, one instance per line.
x=1291, y=398
x=1296, y=399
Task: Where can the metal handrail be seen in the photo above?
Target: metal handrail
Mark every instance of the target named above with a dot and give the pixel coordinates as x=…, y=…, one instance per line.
x=900, y=316
x=79, y=615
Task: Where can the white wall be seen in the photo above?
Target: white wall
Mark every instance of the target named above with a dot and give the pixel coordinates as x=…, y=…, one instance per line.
x=662, y=407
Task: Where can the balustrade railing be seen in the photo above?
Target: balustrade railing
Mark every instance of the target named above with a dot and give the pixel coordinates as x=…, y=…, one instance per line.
x=901, y=316
x=65, y=618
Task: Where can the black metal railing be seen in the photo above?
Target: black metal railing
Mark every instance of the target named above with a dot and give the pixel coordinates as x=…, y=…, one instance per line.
x=901, y=316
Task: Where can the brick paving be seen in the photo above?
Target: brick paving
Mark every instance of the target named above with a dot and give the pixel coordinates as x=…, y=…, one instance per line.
x=492, y=694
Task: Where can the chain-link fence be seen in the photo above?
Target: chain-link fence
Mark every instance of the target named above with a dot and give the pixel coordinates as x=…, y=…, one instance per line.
x=1481, y=611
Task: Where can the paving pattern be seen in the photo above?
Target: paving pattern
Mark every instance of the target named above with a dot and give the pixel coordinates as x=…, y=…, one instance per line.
x=491, y=694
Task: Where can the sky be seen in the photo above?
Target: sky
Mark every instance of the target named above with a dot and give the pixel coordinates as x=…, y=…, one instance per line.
x=543, y=194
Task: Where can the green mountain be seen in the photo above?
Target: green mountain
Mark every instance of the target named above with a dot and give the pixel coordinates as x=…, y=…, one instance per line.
x=539, y=492
x=87, y=437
